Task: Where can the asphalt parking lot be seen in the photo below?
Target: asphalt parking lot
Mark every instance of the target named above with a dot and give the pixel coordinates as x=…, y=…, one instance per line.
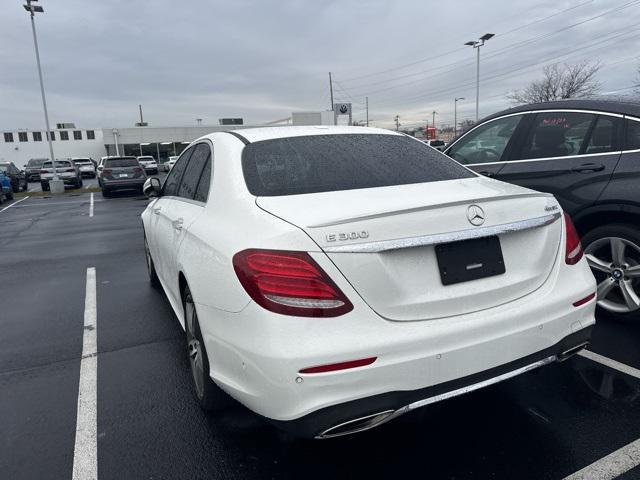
x=550, y=423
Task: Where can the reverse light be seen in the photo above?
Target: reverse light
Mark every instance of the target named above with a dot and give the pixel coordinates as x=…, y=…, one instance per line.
x=332, y=367
x=573, y=252
x=290, y=283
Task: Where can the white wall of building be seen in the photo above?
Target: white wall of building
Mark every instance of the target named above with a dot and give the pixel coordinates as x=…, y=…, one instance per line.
x=20, y=152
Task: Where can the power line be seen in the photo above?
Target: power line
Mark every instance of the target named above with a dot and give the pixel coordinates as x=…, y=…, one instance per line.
x=431, y=58
x=515, y=68
x=492, y=54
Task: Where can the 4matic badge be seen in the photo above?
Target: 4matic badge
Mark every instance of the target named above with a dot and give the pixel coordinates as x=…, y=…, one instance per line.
x=341, y=237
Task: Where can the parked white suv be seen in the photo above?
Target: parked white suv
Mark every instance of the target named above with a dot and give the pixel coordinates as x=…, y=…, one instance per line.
x=331, y=279
x=149, y=164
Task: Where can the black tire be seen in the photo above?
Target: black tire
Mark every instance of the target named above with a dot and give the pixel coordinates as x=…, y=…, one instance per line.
x=629, y=234
x=80, y=183
x=151, y=267
x=15, y=188
x=106, y=193
x=45, y=187
x=210, y=397
x=10, y=195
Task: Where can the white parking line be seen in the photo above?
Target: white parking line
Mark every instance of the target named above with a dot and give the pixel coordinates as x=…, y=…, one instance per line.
x=91, y=206
x=611, y=466
x=85, y=454
x=621, y=367
x=14, y=203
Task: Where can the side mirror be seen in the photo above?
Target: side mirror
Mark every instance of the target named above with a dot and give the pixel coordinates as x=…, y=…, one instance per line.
x=152, y=187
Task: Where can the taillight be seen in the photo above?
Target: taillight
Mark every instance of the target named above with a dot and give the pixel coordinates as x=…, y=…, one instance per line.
x=44, y=170
x=290, y=283
x=70, y=170
x=573, y=252
x=137, y=169
x=106, y=171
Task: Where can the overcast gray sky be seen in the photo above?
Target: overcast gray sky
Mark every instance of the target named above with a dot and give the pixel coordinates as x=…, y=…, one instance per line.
x=261, y=60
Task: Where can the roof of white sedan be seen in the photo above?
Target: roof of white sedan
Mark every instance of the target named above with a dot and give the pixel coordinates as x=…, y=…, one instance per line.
x=267, y=133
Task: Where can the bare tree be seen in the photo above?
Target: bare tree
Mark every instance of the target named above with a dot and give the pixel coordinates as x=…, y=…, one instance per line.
x=561, y=81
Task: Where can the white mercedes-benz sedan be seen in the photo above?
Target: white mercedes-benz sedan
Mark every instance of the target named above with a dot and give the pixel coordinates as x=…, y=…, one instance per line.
x=333, y=278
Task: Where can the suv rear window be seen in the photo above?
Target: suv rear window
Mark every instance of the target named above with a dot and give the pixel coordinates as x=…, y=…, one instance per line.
x=59, y=163
x=327, y=163
x=121, y=162
x=35, y=162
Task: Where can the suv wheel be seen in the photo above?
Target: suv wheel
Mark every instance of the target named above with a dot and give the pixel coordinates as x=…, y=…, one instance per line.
x=209, y=395
x=613, y=253
x=106, y=193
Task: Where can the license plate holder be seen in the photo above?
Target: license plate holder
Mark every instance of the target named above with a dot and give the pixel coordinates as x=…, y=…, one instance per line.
x=468, y=260
x=124, y=175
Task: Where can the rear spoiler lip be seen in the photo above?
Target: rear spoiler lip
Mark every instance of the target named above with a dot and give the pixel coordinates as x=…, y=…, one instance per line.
x=431, y=207
x=438, y=238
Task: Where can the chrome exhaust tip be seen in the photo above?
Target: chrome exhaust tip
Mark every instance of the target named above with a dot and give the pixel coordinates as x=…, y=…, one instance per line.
x=357, y=425
x=571, y=351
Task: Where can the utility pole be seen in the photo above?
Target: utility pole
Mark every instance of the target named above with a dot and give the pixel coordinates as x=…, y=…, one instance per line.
x=477, y=44
x=331, y=90
x=397, y=119
x=366, y=100
x=433, y=119
x=455, y=116
x=32, y=9
x=141, y=119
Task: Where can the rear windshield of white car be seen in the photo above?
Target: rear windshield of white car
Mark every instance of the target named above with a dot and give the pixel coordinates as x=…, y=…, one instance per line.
x=328, y=163
x=59, y=163
x=121, y=162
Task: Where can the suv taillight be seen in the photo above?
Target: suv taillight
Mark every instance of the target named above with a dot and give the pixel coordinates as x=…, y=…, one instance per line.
x=44, y=170
x=290, y=283
x=573, y=252
x=137, y=169
x=106, y=171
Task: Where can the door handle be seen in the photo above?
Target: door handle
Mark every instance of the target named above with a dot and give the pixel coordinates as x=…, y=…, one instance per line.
x=157, y=210
x=177, y=224
x=589, y=167
x=487, y=173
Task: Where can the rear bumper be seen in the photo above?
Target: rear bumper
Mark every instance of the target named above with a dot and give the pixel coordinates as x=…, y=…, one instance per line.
x=123, y=184
x=366, y=413
x=259, y=354
x=33, y=176
x=66, y=180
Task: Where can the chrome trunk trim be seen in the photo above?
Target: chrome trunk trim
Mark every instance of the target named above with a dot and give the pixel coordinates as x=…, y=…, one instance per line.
x=435, y=239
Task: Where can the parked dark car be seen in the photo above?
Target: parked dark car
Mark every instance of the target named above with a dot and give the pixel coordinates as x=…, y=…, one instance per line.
x=120, y=173
x=32, y=169
x=16, y=176
x=586, y=153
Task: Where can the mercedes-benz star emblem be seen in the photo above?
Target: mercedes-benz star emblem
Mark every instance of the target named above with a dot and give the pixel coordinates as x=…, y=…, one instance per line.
x=475, y=215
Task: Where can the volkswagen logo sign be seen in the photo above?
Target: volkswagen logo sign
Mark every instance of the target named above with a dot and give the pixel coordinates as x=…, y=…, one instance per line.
x=344, y=108
x=475, y=215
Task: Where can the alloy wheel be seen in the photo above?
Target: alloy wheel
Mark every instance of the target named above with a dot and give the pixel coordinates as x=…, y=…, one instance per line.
x=615, y=262
x=194, y=348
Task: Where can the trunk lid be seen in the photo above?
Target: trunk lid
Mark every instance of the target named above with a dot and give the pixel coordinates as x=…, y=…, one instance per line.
x=383, y=240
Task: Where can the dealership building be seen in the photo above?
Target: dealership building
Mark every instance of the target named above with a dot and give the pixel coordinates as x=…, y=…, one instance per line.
x=21, y=145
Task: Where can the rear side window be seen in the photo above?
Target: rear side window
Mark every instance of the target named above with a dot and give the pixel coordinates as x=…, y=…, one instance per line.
x=557, y=134
x=202, y=193
x=121, y=163
x=632, y=140
x=59, y=163
x=327, y=163
x=604, y=136
x=486, y=143
x=191, y=177
x=172, y=182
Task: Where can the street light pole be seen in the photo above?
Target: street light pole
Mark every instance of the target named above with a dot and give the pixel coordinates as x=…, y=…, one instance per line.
x=455, y=116
x=32, y=9
x=477, y=44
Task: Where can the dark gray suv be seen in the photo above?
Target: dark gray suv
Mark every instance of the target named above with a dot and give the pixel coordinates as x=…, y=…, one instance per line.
x=120, y=173
x=587, y=153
